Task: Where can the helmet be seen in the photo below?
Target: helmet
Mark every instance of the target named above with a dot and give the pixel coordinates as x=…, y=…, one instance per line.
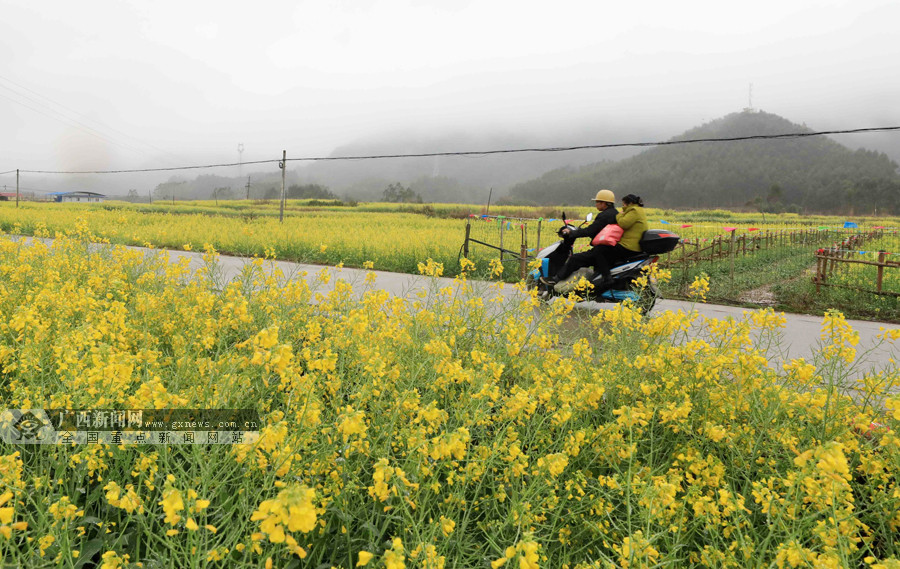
x=605, y=196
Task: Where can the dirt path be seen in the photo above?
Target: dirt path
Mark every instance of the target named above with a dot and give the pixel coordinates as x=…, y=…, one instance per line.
x=765, y=297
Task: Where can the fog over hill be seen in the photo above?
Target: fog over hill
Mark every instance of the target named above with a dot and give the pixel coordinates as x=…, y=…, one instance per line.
x=806, y=174
x=446, y=178
x=806, y=171
x=462, y=178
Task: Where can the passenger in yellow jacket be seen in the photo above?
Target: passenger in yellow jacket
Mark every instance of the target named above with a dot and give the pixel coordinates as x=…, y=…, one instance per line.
x=633, y=221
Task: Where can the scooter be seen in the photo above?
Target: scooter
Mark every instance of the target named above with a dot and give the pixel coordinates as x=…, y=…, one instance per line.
x=653, y=243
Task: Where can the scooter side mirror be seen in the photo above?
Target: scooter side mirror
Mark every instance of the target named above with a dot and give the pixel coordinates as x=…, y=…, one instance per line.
x=589, y=217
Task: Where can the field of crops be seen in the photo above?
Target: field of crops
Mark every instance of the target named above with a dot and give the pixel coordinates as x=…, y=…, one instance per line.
x=448, y=431
x=395, y=242
x=774, y=254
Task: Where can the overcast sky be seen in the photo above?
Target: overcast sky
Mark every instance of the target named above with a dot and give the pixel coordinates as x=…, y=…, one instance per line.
x=175, y=83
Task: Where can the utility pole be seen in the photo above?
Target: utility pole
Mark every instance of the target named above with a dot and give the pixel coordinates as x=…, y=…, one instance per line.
x=283, y=166
x=17, y=187
x=240, y=159
x=248, y=188
x=150, y=195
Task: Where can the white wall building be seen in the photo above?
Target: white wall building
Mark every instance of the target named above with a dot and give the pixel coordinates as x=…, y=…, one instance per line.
x=85, y=197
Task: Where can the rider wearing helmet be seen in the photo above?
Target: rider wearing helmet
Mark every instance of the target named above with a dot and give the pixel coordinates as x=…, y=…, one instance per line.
x=633, y=221
x=605, y=202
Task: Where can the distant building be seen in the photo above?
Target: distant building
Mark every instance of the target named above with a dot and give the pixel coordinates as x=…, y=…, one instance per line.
x=77, y=197
x=5, y=197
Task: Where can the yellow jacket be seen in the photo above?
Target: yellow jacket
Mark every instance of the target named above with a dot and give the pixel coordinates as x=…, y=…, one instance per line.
x=634, y=221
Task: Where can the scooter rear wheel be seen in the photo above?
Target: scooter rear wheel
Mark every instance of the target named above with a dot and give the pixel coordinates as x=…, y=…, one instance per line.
x=647, y=298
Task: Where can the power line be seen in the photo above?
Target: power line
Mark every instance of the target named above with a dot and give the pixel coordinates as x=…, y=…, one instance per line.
x=599, y=146
x=64, y=119
x=488, y=152
x=8, y=187
x=36, y=190
x=146, y=169
x=78, y=114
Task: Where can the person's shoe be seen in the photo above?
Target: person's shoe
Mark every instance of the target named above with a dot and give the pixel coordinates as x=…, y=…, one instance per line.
x=606, y=282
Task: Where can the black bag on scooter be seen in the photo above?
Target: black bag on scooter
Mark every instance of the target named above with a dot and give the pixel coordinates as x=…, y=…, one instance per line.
x=658, y=241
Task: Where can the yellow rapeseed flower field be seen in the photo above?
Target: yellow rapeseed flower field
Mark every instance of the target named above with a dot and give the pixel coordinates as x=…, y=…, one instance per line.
x=388, y=237
x=448, y=430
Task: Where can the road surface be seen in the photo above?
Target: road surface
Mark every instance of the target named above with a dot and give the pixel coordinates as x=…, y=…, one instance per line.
x=800, y=336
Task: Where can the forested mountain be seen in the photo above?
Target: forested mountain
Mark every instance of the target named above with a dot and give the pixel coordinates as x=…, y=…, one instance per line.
x=814, y=174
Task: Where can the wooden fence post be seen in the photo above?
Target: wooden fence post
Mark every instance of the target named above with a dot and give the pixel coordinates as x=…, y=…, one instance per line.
x=466, y=242
x=523, y=259
x=732, y=257
x=819, y=275
x=501, y=239
x=880, y=271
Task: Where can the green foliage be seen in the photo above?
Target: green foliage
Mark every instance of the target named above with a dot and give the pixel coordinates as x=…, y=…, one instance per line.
x=309, y=191
x=222, y=194
x=800, y=295
x=396, y=193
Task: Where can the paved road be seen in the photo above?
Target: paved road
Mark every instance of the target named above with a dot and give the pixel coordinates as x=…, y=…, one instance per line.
x=801, y=332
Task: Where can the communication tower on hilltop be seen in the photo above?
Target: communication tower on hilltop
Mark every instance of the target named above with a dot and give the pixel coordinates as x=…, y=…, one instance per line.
x=749, y=108
x=241, y=159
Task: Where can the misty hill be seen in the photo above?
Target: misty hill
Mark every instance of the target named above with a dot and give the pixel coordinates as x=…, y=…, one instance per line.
x=461, y=179
x=796, y=174
x=263, y=185
x=465, y=179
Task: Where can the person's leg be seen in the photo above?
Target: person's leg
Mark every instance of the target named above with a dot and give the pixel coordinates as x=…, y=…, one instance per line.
x=575, y=262
x=604, y=259
x=612, y=257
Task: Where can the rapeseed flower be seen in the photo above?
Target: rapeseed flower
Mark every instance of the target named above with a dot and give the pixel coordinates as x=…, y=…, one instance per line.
x=443, y=421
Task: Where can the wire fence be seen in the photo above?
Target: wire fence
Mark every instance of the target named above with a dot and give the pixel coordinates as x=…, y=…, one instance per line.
x=868, y=262
x=740, y=257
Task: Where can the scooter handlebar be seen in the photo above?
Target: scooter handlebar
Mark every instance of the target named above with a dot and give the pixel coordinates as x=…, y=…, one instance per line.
x=563, y=228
